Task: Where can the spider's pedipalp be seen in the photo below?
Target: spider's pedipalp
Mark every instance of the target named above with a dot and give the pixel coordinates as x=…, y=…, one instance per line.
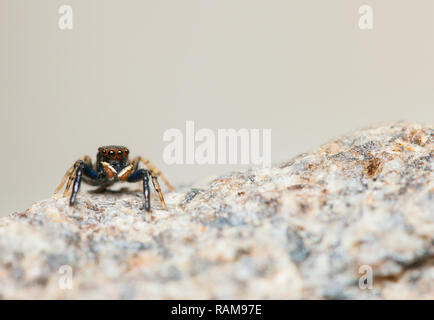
x=126, y=172
x=109, y=170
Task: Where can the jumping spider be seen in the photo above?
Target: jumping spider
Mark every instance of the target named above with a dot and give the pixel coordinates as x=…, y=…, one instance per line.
x=112, y=166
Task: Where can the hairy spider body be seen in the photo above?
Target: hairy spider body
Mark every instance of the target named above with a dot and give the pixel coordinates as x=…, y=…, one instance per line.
x=112, y=166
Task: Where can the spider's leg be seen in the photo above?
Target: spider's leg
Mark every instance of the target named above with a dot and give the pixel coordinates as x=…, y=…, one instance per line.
x=88, y=165
x=82, y=168
x=146, y=192
x=138, y=175
x=71, y=170
x=154, y=171
x=157, y=188
x=77, y=182
x=67, y=174
x=70, y=179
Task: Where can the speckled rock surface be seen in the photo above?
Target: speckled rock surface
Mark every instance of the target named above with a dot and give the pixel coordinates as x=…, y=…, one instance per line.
x=299, y=230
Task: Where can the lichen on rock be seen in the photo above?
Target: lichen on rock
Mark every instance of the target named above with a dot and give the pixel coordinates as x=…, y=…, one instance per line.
x=308, y=228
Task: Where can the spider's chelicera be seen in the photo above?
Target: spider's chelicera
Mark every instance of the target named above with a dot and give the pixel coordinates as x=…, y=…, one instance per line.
x=112, y=165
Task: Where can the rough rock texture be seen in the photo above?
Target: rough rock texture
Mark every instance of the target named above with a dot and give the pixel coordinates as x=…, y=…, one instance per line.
x=299, y=230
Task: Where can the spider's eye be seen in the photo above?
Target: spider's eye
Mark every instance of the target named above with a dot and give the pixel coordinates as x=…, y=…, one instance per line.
x=120, y=152
x=111, y=153
x=127, y=151
x=103, y=151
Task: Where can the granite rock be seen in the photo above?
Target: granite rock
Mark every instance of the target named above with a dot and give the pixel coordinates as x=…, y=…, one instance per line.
x=310, y=228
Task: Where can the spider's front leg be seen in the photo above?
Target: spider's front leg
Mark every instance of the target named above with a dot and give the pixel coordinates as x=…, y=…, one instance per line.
x=138, y=175
x=154, y=173
x=74, y=176
x=153, y=170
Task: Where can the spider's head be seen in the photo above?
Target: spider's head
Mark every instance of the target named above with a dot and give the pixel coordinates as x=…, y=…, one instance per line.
x=114, y=161
x=113, y=154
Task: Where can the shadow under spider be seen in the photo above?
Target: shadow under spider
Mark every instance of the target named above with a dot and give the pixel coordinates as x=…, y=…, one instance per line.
x=124, y=190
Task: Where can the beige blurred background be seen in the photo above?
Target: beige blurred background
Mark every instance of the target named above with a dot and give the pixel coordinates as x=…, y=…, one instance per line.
x=129, y=70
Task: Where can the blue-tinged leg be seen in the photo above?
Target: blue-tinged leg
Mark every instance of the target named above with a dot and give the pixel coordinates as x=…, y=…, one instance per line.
x=137, y=176
x=88, y=171
x=82, y=168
